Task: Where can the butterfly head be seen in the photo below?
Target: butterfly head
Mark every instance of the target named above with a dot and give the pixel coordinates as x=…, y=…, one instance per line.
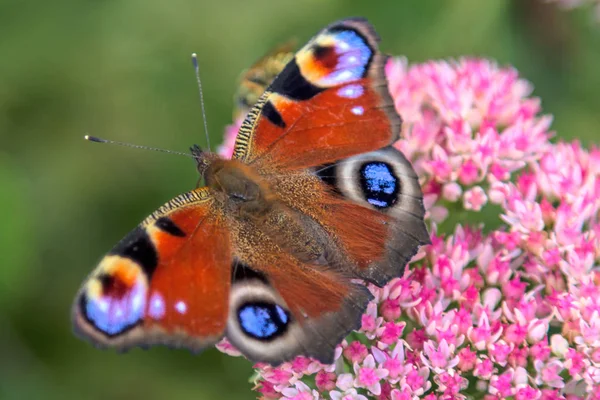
x=202, y=158
x=243, y=186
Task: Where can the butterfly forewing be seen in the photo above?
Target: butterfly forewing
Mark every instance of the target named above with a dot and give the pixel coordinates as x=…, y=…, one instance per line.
x=328, y=103
x=155, y=285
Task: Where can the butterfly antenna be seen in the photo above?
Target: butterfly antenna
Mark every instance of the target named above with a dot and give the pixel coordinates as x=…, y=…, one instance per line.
x=197, y=71
x=135, y=146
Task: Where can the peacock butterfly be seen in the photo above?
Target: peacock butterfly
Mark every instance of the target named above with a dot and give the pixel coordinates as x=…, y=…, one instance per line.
x=267, y=254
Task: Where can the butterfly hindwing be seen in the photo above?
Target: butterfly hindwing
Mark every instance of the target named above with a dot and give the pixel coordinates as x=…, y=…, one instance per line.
x=283, y=310
x=329, y=102
x=166, y=282
x=386, y=188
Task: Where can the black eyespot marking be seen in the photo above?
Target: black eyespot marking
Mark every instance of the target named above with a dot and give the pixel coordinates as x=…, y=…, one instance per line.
x=379, y=184
x=263, y=321
x=273, y=115
x=290, y=83
x=138, y=247
x=326, y=55
x=113, y=287
x=167, y=225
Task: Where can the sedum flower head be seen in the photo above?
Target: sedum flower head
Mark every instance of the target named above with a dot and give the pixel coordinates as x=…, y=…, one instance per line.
x=509, y=308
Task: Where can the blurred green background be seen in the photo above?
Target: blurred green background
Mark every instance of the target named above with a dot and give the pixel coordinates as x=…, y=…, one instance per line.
x=121, y=70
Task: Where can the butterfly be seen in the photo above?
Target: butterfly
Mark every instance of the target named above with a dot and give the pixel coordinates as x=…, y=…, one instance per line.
x=274, y=251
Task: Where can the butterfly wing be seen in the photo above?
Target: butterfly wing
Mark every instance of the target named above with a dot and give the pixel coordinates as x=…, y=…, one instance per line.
x=328, y=103
x=283, y=309
x=376, y=211
x=259, y=76
x=166, y=282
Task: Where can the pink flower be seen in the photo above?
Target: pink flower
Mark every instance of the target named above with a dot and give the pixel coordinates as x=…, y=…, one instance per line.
x=300, y=391
x=391, y=332
x=356, y=352
x=226, y=148
x=369, y=375
x=439, y=358
x=475, y=199
x=484, y=369
x=527, y=393
x=549, y=373
x=499, y=352
x=325, y=381
x=350, y=394
x=502, y=385
x=466, y=359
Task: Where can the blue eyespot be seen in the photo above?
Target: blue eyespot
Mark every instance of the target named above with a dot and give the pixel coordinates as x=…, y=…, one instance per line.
x=262, y=320
x=379, y=184
x=354, y=56
x=114, y=314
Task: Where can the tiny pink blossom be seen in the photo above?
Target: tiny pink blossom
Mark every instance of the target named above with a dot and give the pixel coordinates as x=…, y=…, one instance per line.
x=518, y=357
x=391, y=332
x=369, y=375
x=452, y=191
x=390, y=310
x=475, y=199
x=574, y=362
x=325, y=381
x=484, y=368
x=417, y=380
x=499, y=352
x=300, y=391
x=501, y=385
x=466, y=359
x=527, y=393
x=540, y=351
x=549, y=373
x=350, y=394
x=356, y=352
x=468, y=172
x=439, y=358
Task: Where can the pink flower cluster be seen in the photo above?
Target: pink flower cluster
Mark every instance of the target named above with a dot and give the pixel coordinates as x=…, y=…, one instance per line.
x=506, y=310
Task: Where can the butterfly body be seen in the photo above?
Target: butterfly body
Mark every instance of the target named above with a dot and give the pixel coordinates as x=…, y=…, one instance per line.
x=267, y=253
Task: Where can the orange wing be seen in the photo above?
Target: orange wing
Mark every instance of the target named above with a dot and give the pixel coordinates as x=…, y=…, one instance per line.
x=166, y=282
x=330, y=102
x=280, y=309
